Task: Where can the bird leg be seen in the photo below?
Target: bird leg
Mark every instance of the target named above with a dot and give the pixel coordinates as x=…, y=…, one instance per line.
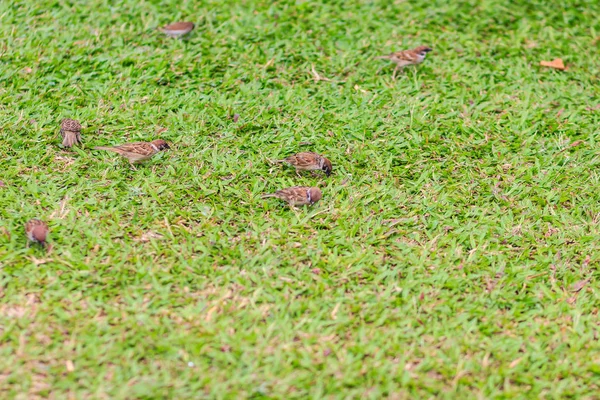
x=294, y=209
x=395, y=71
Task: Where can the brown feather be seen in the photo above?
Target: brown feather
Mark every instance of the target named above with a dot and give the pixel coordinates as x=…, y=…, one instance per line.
x=178, y=28
x=138, y=151
x=37, y=231
x=297, y=195
x=69, y=124
x=70, y=138
x=70, y=130
x=309, y=161
x=407, y=57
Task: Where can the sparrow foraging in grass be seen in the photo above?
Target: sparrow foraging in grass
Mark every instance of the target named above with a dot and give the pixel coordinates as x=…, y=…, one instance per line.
x=405, y=58
x=178, y=29
x=138, y=151
x=70, y=130
x=36, y=231
x=308, y=161
x=297, y=195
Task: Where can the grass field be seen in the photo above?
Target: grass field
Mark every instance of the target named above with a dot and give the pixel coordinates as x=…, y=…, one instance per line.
x=454, y=253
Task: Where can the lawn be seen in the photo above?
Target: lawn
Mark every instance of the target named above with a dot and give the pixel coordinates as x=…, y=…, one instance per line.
x=455, y=251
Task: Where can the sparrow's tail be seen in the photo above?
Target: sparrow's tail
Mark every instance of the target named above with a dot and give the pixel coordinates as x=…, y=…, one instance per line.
x=107, y=148
x=386, y=57
x=266, y=196
x=70, y=139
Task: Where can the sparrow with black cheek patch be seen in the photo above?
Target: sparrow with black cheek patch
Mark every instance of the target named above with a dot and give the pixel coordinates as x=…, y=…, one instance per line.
x=297, y=195
x=407, y=57
x=178, y=29
x=36, y=231
x=70, y=130
x=138, y=151
x=308, y=161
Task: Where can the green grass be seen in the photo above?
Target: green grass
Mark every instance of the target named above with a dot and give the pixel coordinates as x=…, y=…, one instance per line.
x=464, y=203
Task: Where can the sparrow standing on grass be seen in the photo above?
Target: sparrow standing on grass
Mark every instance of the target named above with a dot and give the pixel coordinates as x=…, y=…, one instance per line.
x=178, y=29
x=70, y=130
x=297, y=195
x=36, y=231
x=407, y=57
x=137, y=152
x=308, y=161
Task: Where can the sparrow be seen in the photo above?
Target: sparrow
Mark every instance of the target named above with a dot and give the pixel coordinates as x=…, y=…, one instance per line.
x=178, y=29
x=308, y=161
x=297, y=195
x=70, y=131
x=36, y=231
x=138, y=151
x=405, y=58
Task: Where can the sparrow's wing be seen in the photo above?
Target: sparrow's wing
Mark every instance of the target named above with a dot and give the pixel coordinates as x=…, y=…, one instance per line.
x=296, y=195
x=70, y=125
x=180, y=26
x=406, y=55
x=282, y=194
x=29, y=225
x=134, y=152
x=402, y=57
x=304, y=160
x=290, y=160
x=141, y=148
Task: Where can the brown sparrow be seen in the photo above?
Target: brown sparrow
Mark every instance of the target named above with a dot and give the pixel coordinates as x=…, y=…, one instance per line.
x=178, y=29
x=308, y=161
x=139, y=151
x=297, y=195
x=70, y=131
x=405, y=58
x=36, y=231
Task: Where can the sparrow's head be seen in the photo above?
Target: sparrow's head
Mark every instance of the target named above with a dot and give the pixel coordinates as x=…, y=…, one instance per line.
x=36, y=230
x=327, y=167
x=160, y=144
x=314, y=194
x=39, y=233
x=423, y=50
